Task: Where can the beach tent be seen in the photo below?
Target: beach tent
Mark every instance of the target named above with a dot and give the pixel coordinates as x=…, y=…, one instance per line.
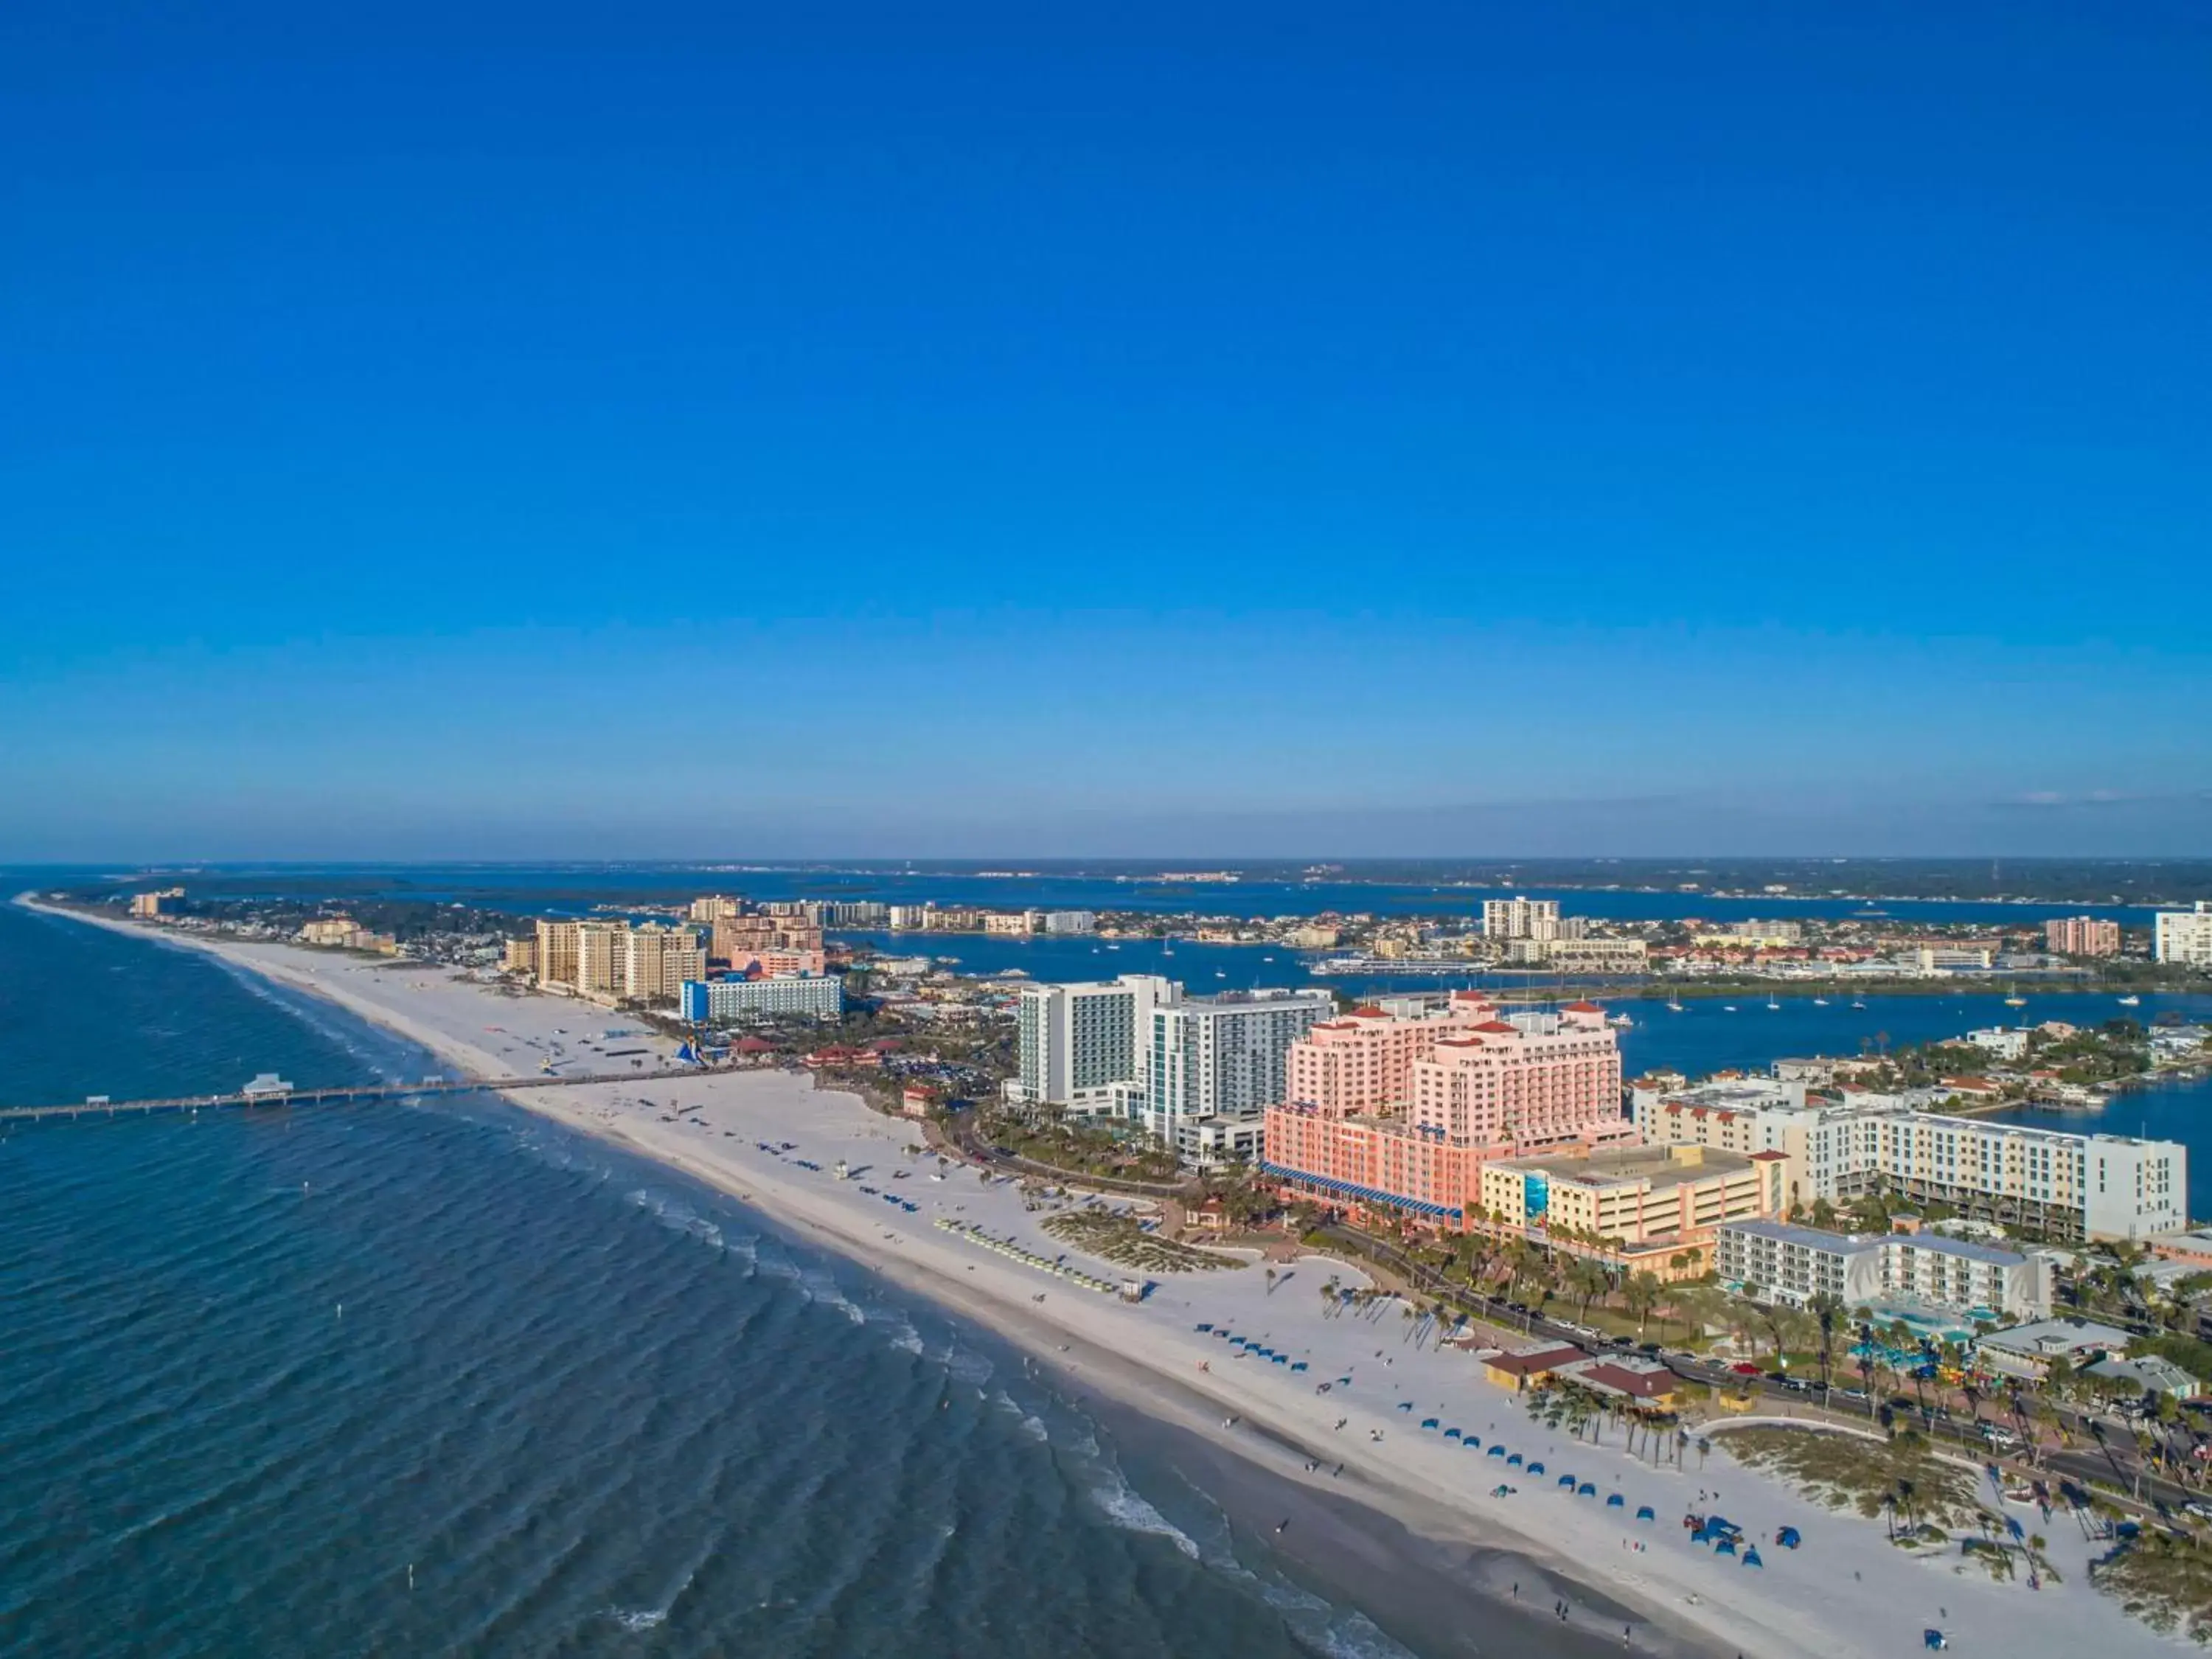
x=1451, y=1434
x=1513, y=1461
x=1202, y=1329
x=1588, y=1489
x=1568, y=1482
x=1429, y=1422
x=1472, y=1443
x=1298, y=1366
x=1933, y=1640
x=1643, y=1512
x=1726, y=1546
x=1498, y=1451
x=1404, y=1405
x=1788, y=1537
x=1751, y=1557
x=1536, y=1468
x=1616, y=1502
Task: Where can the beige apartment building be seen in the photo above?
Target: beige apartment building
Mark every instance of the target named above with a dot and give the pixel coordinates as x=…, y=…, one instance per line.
x=521, y=957
x=1656, y=1201
x=557, y=952
x=657, y=959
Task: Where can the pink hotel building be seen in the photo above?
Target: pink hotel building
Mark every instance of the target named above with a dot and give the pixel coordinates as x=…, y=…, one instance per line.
x=1400, y=1112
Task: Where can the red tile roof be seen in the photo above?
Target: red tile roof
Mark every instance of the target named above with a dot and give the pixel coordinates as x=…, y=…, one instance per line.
x=1645, y=1385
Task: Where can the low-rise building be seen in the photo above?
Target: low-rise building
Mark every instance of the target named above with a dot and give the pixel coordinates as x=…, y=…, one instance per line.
x=1634, y=1378
x=2005, y=1041
x=1598, y=955
x=1518, y=1369
x=2152, y=1373
x=1792, y=1264
x=2027, y=1351
x=1211, y=1143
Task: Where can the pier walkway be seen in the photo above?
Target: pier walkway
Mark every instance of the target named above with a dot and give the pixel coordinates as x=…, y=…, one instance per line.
x=100, y=1106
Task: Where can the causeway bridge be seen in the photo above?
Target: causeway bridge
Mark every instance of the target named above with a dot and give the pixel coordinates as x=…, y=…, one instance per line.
x=351, y=1094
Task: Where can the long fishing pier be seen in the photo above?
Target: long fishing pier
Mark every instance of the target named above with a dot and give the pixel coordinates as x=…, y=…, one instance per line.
x=100, y=1106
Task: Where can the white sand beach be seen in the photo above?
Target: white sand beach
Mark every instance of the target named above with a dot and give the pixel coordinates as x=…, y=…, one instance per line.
x=1845, y=1593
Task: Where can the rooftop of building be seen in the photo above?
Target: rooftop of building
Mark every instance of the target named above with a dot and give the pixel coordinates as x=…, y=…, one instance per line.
x=1815, y=1238
x=2056, y=1336
x=1661, y=1166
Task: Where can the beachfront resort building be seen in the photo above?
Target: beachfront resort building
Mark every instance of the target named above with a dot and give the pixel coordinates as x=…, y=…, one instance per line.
x=152, y=906
x=1079, y=1046
x=2183, y=937
x=722, y=1001
x=1226, y=1055
x=1397, y=1108
x=1657, y=1209
x=658, y=959
x=2082, y=936
x=556, y=953
x=1790, y=1264
x=1851, y=1142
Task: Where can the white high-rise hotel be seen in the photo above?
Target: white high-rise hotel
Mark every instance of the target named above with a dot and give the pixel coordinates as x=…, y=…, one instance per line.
x=1079, y=1042
x=1140, y=1046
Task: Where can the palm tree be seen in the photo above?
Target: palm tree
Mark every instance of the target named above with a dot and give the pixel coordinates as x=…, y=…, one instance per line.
x=1640, y=1295
x=1826, y=1307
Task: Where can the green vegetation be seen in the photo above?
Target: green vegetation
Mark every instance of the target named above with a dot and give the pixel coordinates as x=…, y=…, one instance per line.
x=1899, y=1479
x=1045, y=1136
x=2163, y=1579
x=1119, y=1239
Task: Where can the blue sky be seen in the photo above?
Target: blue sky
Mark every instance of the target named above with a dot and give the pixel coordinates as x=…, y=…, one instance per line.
x=796, y=431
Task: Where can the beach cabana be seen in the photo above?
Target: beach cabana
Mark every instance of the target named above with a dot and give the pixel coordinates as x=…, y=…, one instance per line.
x=1788, y=1537
x=1404, y=1405
x=1616, y=1502
x=1751, y=1557
x=1726, y=1546
x=1933, y=1640
x=1513, y=1461
x=1472, y=1443
x=1536, y=1468
x=1498, y=1451
x=1202, y=1329
x=1429, y=1422
x=1588, y=1489
x=1451, y=1434
x=1568, y=1482
x=1298, y=1366
x=1282, y=1359
x=1644, y=1512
